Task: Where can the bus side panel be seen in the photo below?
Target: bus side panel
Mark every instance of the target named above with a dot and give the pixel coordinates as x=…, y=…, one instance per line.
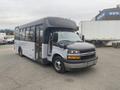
x=59, y=51
x=28, y=48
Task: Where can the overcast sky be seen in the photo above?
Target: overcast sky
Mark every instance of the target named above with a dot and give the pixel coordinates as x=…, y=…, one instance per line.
x=17, y=12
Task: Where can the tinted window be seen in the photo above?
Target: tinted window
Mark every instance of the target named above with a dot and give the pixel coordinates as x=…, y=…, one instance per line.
x=27, y=34
x=32, y=34
x=20, y=34
x=17, y=34
x=39, y=34
x=23, y=34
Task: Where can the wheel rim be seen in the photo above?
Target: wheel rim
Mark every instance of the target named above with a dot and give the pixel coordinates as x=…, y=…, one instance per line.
x=58, y=65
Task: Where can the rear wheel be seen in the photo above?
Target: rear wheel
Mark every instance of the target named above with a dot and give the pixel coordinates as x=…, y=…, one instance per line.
x=58, y=64
x=20, y=52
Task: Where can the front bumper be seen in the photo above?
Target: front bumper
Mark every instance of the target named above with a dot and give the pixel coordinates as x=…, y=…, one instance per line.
x=77, y=65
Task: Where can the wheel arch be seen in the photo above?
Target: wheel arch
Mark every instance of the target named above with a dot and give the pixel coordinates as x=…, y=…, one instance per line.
x=56, y=54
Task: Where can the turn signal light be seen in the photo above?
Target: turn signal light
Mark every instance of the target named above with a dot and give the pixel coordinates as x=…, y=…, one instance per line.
x=73, y=57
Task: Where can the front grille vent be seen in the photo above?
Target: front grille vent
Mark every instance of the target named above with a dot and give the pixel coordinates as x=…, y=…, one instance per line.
x=87, y=57
x=87, y=50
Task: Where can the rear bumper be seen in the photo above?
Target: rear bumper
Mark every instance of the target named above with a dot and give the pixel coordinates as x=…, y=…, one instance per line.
x=87, y=63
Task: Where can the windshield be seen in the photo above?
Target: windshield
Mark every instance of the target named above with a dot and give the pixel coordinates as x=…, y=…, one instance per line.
x=68, y=36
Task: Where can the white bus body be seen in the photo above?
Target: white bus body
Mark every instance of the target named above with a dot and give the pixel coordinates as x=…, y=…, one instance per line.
x=54, y=40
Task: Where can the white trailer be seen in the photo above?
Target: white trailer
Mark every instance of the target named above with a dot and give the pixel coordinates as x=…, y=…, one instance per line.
x=100, y=32
x=2, y=38
x=2, y=35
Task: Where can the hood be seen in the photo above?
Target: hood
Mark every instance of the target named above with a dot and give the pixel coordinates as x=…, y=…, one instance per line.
x=80, y=46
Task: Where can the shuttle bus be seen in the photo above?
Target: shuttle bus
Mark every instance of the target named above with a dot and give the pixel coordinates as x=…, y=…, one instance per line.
x=53, y=40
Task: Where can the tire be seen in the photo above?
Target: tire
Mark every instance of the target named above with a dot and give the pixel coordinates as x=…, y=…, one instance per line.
x=58, y=64
x=43, y=62
x=20, y=52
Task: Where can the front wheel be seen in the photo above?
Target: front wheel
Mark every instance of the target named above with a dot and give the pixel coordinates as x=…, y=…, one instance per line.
x=58, y=65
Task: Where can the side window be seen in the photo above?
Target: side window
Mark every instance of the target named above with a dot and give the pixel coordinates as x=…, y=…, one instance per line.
x=32, y=34
x=39, y=34
x=17, y=33
x=23, y=34
x=20, y=34
x=27, y=34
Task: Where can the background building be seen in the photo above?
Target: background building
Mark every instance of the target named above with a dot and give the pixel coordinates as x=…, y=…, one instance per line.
x=109, y=14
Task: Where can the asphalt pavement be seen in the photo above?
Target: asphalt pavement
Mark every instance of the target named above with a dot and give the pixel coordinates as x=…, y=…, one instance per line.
x=20, y=73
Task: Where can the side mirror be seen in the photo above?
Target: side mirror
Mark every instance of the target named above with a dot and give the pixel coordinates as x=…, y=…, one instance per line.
x=55, y=37
x=83, y=37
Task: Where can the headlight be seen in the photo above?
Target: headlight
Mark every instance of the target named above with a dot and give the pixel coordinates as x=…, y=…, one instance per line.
x=73, y=51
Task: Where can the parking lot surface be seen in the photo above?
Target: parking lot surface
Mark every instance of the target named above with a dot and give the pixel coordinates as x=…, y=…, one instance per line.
x=20, y=73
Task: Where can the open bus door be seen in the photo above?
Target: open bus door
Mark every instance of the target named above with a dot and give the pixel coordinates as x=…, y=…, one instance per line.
x=38, y=44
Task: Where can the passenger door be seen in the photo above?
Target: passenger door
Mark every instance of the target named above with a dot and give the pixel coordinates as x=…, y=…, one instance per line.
x=50, y=44
x=38, y=44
